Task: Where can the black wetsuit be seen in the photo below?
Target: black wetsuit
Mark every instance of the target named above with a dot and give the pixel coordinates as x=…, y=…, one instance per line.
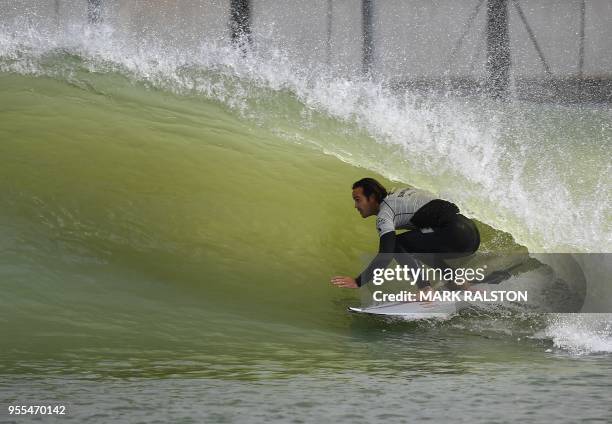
x=440, y=233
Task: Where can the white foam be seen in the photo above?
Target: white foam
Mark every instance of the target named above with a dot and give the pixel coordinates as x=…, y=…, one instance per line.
x=580, y=334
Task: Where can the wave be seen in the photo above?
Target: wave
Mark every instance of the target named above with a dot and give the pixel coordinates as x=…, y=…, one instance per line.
x=504, y=164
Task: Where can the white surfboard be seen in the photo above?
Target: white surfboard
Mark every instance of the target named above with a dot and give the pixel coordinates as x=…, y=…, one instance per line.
x=431, y=310
x=424, y=310
x=411, y=310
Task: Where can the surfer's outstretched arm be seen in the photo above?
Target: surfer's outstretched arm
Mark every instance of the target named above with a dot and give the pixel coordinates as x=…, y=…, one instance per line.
x=386, y=248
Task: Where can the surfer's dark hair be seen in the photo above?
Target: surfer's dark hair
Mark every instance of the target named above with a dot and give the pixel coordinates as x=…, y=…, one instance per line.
x=371, y=187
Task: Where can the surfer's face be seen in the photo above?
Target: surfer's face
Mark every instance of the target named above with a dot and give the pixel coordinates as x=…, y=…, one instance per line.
x=366, y=206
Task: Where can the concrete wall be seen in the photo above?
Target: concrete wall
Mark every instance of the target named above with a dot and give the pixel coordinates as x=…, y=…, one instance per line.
x=312, y=31
x=415, y=38
x=412, y=38
x=186, y=21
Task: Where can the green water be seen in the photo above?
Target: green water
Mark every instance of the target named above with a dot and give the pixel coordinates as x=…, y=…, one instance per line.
x=174, y=204
x=165, y=258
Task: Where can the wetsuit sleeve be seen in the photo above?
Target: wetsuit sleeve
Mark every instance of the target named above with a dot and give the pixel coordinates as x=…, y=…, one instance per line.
x=385, y=249
x=384, y=222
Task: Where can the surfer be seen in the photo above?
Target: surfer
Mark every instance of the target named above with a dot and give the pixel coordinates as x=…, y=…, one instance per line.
x=438, y=230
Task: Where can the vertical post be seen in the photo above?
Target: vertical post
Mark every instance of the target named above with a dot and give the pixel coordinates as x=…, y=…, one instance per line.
x=57, y=13
x=94, y=9
x=240, y=21
x=581, y=48
x=330, y=16
x=498, y=48
x=367, y=7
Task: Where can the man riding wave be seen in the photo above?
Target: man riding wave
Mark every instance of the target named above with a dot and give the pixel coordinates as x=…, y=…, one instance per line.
x=438, y=230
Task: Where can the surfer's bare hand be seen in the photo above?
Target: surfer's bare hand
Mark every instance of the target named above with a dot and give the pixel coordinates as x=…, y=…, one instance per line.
x=344, y=282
